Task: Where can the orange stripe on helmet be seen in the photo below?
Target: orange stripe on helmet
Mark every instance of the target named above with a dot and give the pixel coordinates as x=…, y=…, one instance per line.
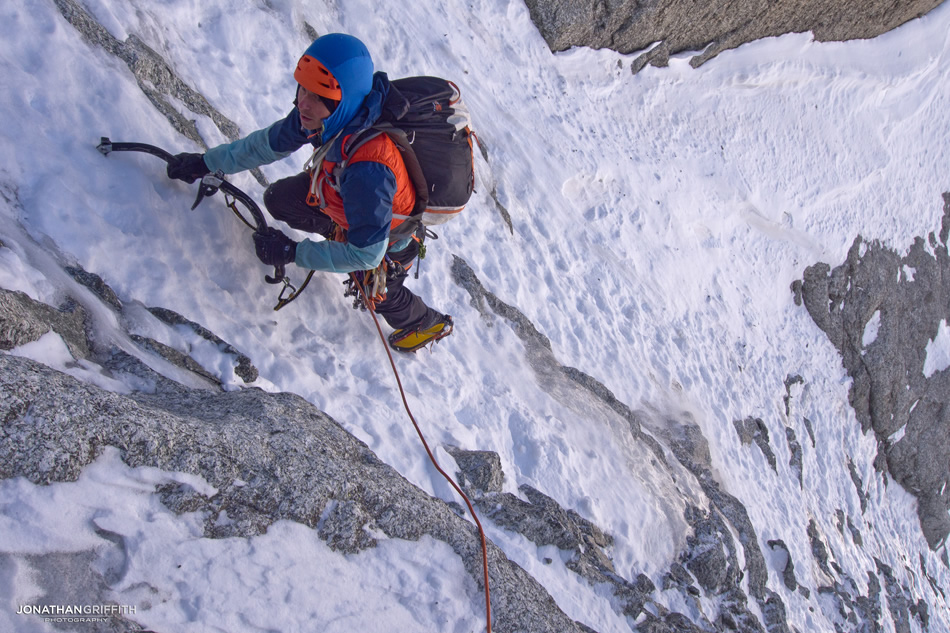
x=314, y=76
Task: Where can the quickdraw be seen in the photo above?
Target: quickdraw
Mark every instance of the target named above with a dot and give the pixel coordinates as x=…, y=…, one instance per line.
x=209, y=185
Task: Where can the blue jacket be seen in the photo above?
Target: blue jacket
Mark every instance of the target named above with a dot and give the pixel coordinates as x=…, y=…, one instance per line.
x=367, y=192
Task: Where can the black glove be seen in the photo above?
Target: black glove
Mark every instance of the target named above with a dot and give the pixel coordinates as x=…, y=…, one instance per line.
x=187, y=167
x=274, y=248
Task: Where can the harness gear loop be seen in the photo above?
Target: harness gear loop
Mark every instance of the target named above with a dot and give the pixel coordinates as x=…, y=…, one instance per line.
x=455, y=486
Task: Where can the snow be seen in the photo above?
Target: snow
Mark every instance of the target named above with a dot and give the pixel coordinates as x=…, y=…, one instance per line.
x=658, y=222
x=938, y=351
x=871, y=329
x=50, y=349
x=276, y=585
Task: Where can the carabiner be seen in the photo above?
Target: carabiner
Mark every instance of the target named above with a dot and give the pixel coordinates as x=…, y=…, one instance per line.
x=294, y=292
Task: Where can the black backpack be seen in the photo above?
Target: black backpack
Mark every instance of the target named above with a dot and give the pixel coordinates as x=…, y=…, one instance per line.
x=426, y=119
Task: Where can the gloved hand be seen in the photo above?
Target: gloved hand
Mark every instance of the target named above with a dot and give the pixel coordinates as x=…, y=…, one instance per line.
x=274, y=248
x=187, y=167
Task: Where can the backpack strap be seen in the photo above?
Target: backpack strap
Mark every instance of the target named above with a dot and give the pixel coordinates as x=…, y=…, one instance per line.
x=315, y=166
x=410, y=223
x=409, y=158
x=350, y=144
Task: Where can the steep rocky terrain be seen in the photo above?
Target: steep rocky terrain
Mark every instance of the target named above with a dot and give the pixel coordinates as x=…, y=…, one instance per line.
x=295, y=463
x=881, y=310
x=663, y=28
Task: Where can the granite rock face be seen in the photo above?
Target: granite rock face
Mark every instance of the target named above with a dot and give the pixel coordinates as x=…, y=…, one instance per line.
x=23, y=320
x=271, y=457
x=882, y=311
x=661, y=28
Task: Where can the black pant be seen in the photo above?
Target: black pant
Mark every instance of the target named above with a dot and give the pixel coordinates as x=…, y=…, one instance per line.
x=286, y=200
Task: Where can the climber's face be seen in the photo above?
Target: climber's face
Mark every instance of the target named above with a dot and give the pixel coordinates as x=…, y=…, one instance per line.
x=312, y=109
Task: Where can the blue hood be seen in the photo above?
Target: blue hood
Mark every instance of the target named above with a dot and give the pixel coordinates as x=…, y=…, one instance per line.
x=366, y=115
x=349, y=61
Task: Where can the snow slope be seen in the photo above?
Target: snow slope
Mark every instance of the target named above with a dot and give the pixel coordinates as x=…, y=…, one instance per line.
x=658, y=221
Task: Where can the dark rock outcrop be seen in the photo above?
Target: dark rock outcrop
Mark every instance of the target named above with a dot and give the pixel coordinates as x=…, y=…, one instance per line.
x=661, y=28
x=243, y=367
x=882, y=311
x=23, y=320
x=754, y=430
x=292, y=462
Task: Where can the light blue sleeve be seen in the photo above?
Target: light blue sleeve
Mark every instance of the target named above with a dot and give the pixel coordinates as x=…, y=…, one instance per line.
x=251, y=151
x=339, y=257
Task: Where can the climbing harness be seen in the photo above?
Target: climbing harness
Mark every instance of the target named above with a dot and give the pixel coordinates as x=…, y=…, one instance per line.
x=471, y=509
x=368, y=287
x=210, y=184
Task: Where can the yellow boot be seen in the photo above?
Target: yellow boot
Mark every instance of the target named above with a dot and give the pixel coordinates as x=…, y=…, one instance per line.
x=406, y=340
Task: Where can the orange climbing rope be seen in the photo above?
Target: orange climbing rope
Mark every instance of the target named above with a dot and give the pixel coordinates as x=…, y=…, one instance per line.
x=471, y=509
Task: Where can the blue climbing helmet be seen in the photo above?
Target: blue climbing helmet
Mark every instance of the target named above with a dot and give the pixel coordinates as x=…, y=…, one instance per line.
x=337, y=67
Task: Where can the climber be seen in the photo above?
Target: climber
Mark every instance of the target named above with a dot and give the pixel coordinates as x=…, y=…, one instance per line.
x=354, y=209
